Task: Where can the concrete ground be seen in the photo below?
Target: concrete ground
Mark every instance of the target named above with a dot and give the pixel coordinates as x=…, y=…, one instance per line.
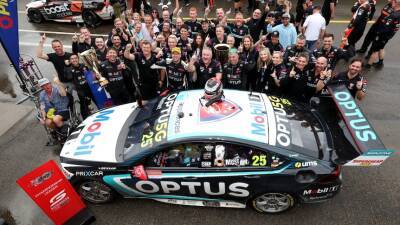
x=369, y=196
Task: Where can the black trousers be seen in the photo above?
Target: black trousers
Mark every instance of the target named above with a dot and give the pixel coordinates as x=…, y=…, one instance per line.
x=371, y=35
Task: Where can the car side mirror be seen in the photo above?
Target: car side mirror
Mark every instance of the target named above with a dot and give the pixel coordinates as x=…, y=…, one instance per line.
x=139, y=172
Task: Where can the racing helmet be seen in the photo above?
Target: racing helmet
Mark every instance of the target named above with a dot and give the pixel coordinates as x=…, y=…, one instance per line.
x=213, y=88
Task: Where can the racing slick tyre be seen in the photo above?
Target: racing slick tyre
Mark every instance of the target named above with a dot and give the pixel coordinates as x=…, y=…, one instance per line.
x=90, y=18
x=95, y=191
x=272, y=202
x=35, y=16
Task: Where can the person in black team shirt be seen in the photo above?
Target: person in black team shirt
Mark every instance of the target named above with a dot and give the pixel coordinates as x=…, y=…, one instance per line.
x=205, y=69
x=193, y=24
x=76, y=70
x=273, y=44
x=277, y=72
x=385, y=28
x=57, y=58
x=113, y=70
x=319, y=76
x=238, y=29
x=101, y=49
x=328, y=10
x=235, y=72
x=294, y=50
x=295, y=84
x=361, y=12
x=256, y=23
x=333, y=54
x=354, y=81
x=177, y=75
x=149, y=81
x=84, y=42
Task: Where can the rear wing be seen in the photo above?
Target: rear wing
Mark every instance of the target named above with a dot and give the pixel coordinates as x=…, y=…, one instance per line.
x=367, y=143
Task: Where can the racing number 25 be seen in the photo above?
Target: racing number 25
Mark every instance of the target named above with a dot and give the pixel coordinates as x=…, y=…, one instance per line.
x=259, y=160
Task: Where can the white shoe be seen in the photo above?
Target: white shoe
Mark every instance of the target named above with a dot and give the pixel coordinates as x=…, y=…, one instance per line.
x=161, y=3
x=169, y=3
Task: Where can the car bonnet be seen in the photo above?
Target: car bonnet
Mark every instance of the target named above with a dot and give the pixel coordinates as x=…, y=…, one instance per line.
x=96, y=138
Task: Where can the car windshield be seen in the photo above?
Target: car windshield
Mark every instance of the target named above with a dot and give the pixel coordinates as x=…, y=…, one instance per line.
x=149, y=128
x=307, y=136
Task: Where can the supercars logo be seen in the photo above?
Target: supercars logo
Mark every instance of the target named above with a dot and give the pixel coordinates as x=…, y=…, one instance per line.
x=218, y=111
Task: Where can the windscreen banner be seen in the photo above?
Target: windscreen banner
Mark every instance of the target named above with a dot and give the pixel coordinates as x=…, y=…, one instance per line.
x=9, y=30
x=52, y=192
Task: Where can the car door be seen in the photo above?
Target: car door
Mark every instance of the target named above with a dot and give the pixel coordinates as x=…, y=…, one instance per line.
x=57, y=10
x=170, y=175
x=237, y=172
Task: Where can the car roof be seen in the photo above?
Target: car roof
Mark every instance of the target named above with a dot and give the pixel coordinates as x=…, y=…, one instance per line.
x=244, y=117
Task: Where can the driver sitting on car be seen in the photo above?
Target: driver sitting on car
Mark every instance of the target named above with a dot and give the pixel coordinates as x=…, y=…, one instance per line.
x=53, y=103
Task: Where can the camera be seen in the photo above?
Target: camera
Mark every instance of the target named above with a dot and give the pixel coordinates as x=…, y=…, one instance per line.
x=118, y=30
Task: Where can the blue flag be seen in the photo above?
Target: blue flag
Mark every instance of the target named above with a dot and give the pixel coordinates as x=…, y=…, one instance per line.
x=9, y=30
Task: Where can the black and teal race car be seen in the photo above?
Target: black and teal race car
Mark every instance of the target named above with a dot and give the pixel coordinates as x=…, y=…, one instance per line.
x=249, y=149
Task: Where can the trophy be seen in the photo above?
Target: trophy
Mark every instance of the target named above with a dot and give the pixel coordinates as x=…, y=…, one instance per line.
x=222, y=53
x=89, y=58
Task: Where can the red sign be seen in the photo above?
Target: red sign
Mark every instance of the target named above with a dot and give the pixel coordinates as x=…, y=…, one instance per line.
x=52, y=192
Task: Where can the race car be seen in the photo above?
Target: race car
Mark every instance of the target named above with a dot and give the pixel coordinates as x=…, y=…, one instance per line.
x=90, y=12
x=248, y=149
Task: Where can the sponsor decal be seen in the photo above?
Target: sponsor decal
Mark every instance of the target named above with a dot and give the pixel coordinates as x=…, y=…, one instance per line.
x=258, y=120
x=158, y=132
x=57, y=11
x=259, y=160
x=87, y=142
x=379, y=152
x=368, y=162
x=209, y=203
x=59, y=200
x=40, y=179
x=218, y=111
x=139, y=172
x=237, y=189
x=206, y=164
x=305, y=164
x=89, y=173
x=321, y=190
x=219, y=155
x=282, y=123
x=357, y=121
x=107, y=168
x=275, y=161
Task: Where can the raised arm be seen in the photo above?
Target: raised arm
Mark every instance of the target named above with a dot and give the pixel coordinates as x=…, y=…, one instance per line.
x=39, y=51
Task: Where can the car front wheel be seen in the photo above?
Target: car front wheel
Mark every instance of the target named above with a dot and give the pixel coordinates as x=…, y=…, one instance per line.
x=95, y=191
x=273, y=202
x=35, y=16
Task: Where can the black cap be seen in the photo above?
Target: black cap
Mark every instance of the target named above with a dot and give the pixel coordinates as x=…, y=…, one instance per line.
x=275, y=34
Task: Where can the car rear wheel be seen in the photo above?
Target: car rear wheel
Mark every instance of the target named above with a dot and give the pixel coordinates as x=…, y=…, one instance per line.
x=95, y=191
x=273, y=202
x=90, y=18
x=35, y=16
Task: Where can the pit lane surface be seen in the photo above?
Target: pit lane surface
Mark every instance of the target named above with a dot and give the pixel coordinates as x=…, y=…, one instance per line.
x=369, y=195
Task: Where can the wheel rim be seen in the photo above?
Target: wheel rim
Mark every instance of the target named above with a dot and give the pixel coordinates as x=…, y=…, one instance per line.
x=95, y=191
x=89, y=18
x=35, y=16
x=272, y=202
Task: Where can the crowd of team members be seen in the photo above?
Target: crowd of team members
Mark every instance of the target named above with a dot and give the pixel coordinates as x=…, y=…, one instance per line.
x=271, y=52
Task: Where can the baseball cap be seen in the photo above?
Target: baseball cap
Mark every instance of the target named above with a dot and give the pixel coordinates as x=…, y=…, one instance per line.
x=286, y=15
x=43, y=81
x=164, y=7
x=233, y=51
x=176, y=50
x=275, y=34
